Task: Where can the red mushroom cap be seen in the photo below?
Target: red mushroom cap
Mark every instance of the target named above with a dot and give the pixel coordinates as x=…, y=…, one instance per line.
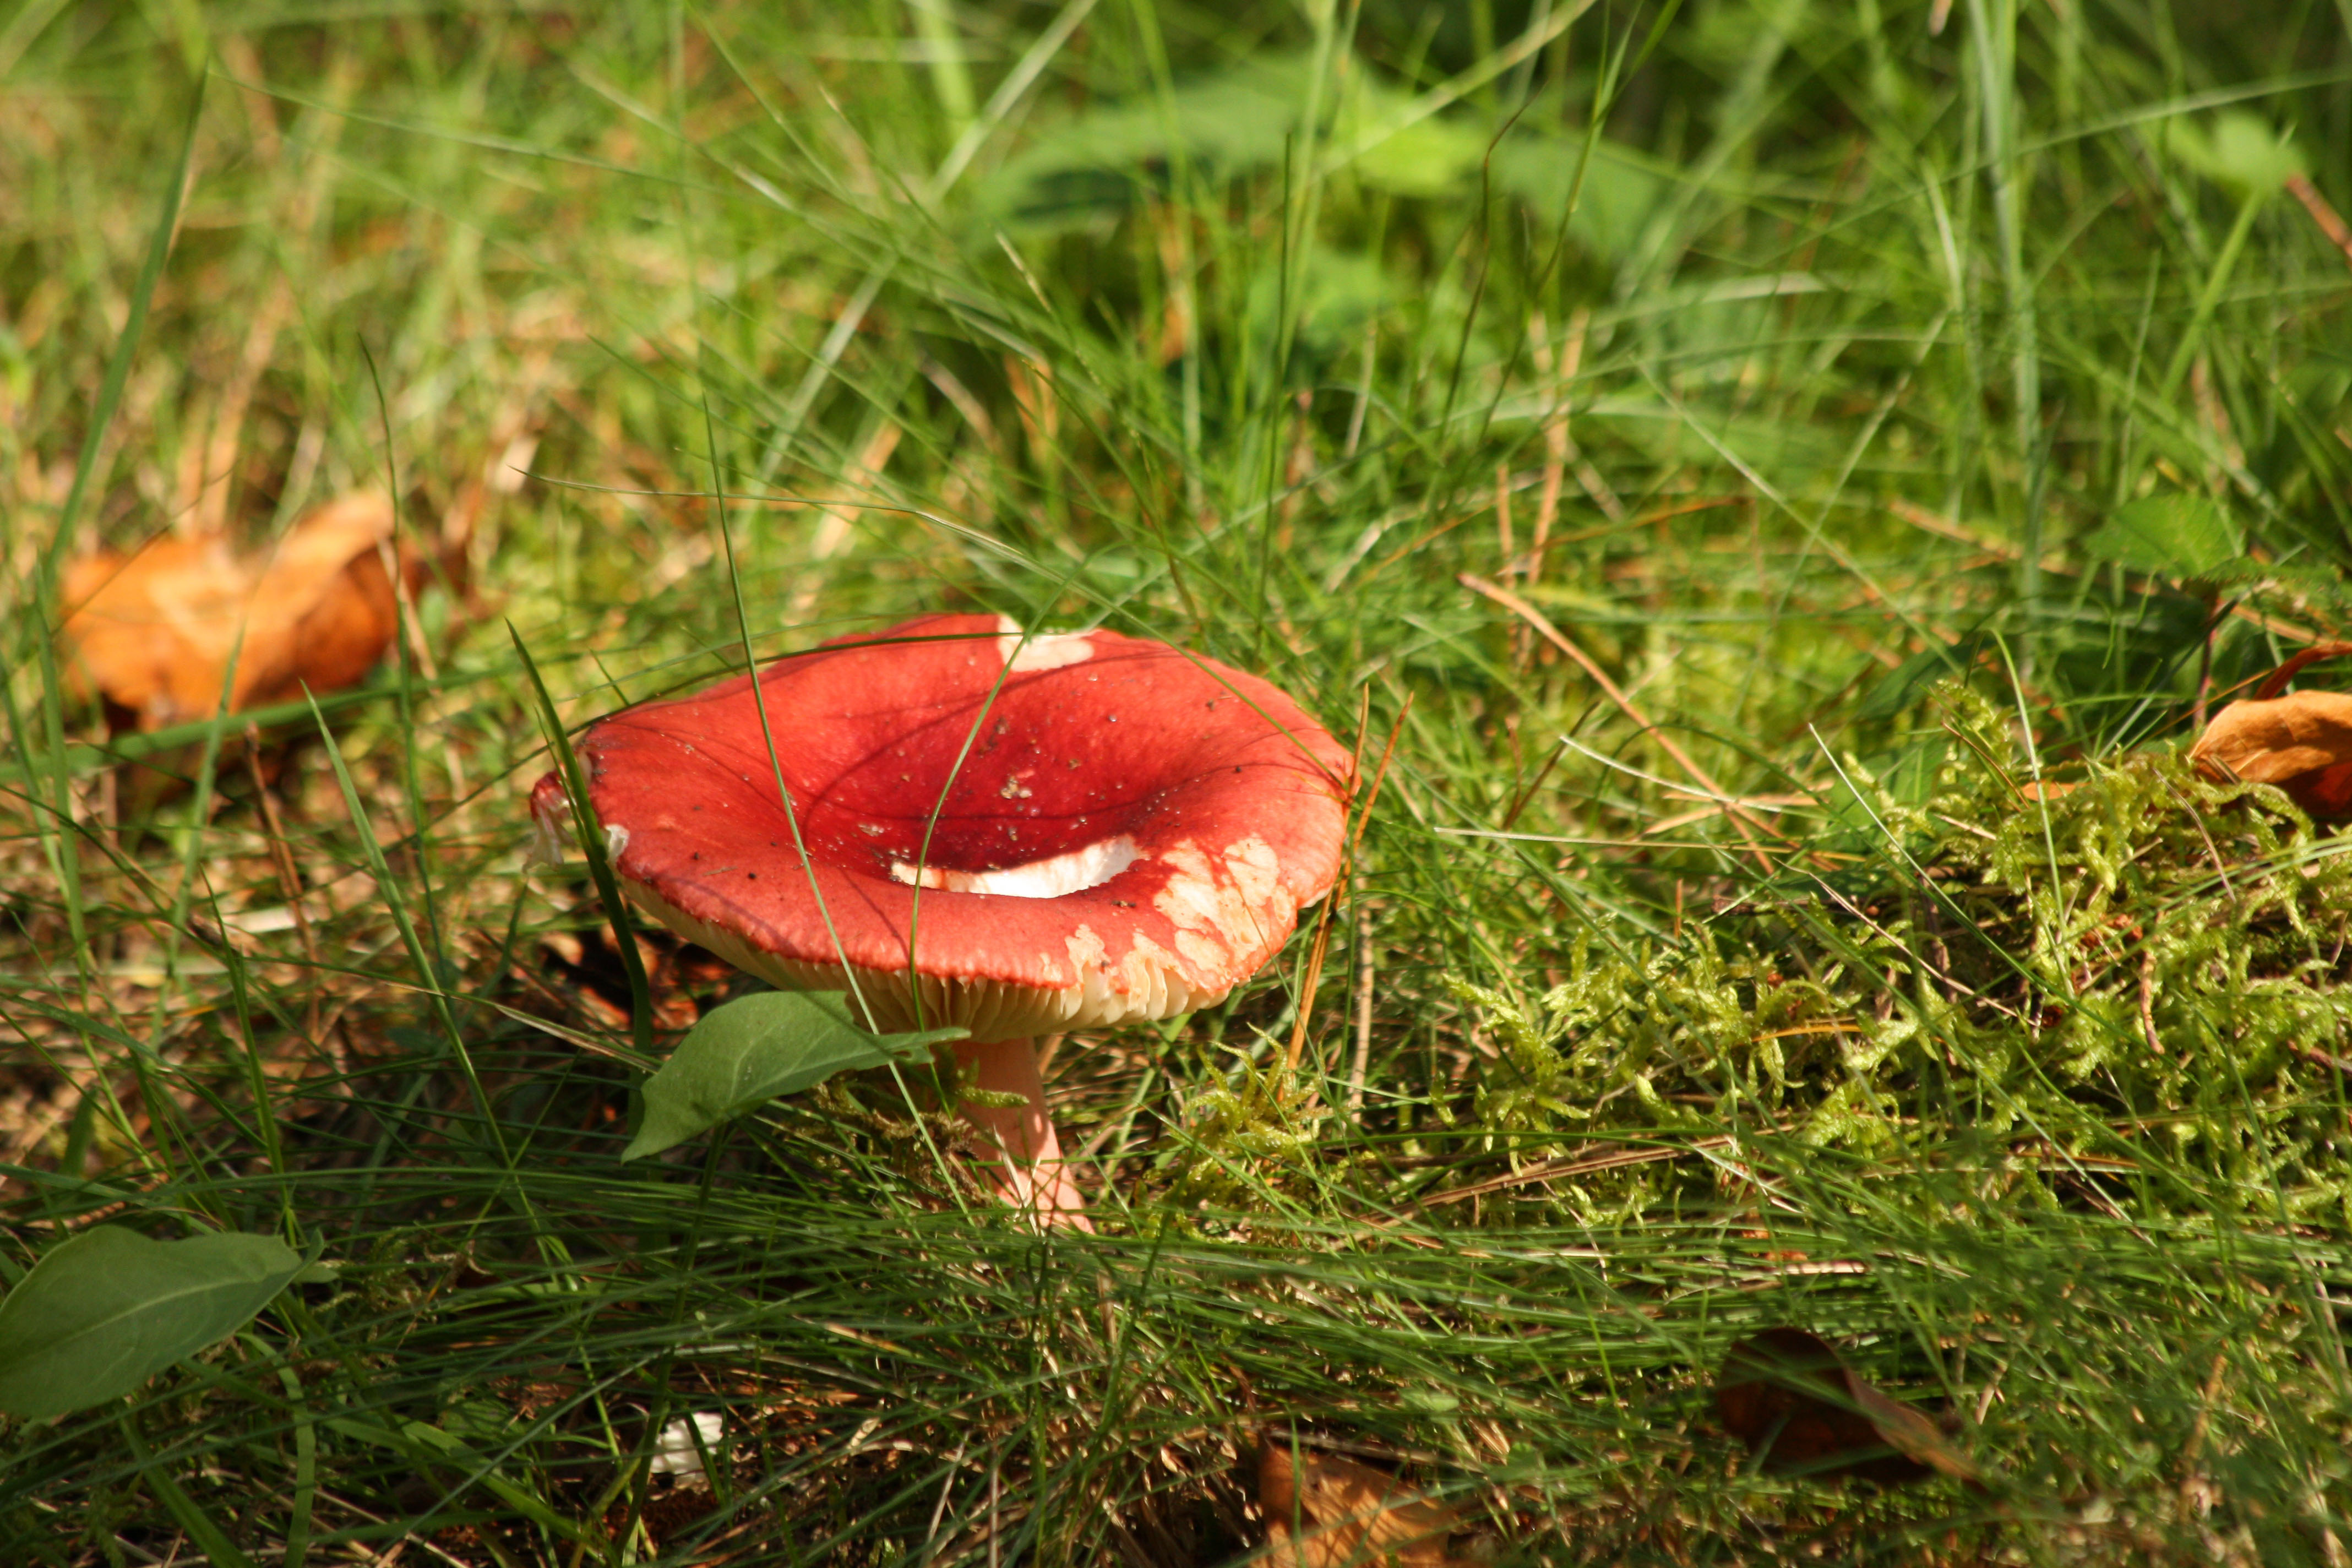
x=1123, y=830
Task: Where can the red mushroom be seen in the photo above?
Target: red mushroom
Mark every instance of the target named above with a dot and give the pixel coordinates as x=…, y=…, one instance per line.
x=1017, y=835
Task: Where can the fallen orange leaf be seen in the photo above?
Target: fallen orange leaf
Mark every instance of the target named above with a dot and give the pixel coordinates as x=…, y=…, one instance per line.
x=2301, y=742
x=1323, y=1512
x=155, y=632
x=1790, y=1397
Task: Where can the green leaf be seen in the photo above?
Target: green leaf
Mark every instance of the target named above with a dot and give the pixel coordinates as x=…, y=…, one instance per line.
x=1335, y=293
x=1429, y=158
x=1097, y=164
x=2240, y=150
x=2167, y=536
x=102, y=1313
x=757, y=1048
x=1615, y=193
x=1241, y=119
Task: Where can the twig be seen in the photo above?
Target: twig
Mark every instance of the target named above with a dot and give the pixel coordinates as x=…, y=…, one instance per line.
x=1555, y=449
x=1359, y=1065
x=1534, y=784
x=994, y=1501
x=1522, y=642
x=1503, y=542
x=2330, y=222
x=2319, y=1057
x=1380, y=776
x=1046, y=1047
x=1306, y=992
x=2196, y=1428
x=2205, y=662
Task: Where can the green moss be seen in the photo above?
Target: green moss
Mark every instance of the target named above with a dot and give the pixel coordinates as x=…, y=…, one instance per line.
x=2144, y=969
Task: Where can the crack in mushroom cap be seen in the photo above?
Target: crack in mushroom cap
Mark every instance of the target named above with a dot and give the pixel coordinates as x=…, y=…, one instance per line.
x=1123, y=831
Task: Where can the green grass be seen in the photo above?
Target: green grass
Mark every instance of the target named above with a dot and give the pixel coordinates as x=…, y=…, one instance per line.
x=1818, y=342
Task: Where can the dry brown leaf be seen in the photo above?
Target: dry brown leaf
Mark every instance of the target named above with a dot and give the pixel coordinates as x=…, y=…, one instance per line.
x=1324, y=1511
x=2301, y=742
x=154, y=632
x=1788, y=1395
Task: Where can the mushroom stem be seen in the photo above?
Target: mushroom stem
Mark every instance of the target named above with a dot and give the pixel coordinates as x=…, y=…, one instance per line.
x=1028, y=1172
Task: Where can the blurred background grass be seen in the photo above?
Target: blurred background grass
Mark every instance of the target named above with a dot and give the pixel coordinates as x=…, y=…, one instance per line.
x=1783, y=360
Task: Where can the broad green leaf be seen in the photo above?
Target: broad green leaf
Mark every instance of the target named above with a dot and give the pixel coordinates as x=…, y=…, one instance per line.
x=1614, y=202
x=1094, y=165
x=2167, y=536
x=754, y=1048
x=1335, y=293
x=1242, y=120
x=102, y=1313
x=2239, y=149
x=1429, y=158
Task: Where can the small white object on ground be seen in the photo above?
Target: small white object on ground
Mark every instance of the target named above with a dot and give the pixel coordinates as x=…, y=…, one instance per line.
x=678, y=1454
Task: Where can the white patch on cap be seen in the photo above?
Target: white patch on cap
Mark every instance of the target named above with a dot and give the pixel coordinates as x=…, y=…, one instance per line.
x=1229, y=912
x=616, y=838
x=1072, y=873
x=1046, y=650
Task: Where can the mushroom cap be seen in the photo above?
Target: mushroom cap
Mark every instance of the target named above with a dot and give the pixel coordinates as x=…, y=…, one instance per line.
x=1029, y=833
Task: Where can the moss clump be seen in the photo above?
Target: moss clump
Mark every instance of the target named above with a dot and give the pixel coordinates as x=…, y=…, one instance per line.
x=2132, y=984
